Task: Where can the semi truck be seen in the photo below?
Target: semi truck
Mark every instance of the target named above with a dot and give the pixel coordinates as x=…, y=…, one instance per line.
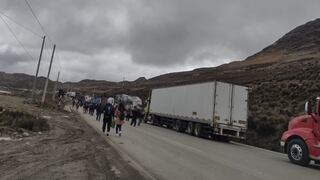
x=211, y=109
x=301, y=141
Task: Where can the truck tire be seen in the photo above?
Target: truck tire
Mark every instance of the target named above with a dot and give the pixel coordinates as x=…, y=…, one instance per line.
x=178, y=126
x=190, y=128
x=153, y=120
x=298, y=152
x=198, y=130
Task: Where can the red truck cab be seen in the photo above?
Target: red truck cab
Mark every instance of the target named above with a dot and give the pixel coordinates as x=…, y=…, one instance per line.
x=302, y=139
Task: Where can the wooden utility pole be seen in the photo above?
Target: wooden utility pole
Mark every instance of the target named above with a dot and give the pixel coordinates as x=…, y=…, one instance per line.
x=47, y=80
x=123, y=83
x=37, y=72
x=55, y=87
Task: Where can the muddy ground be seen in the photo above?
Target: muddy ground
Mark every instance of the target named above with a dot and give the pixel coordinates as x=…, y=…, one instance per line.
x=70, y=149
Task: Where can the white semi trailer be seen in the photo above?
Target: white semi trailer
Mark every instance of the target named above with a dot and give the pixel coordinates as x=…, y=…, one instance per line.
x=204, y=109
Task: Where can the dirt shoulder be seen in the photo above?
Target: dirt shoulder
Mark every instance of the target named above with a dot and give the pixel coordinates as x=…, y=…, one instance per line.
x=70, y=149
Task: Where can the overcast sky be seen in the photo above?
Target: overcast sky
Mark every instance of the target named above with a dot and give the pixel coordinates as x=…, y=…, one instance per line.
x=109, y=39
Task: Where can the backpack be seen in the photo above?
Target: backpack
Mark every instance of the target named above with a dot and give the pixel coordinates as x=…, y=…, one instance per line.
x=108, y=110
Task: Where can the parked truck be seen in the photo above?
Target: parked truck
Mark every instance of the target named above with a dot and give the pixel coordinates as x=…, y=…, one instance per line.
x=128, y=101
x=204, y=109
x=302, y=139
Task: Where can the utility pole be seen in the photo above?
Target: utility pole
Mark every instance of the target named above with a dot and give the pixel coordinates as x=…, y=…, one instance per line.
x=47, y=80
x=55, y=87
x=36, y=77
x=123, y=83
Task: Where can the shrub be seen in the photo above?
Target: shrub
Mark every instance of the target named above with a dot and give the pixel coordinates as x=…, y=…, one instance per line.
x=22, y=120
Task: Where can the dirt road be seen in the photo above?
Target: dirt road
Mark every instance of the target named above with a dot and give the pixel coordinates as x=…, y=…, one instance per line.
x=69, y=150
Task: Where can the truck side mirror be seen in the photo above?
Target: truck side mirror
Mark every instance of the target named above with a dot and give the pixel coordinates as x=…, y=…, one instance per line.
x=307, y=108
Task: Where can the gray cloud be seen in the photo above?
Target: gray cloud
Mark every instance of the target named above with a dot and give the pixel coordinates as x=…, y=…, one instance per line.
x=105, y=38
x=9, y=57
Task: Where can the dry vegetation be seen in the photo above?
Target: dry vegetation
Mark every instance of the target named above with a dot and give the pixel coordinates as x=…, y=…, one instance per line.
x=15, y=123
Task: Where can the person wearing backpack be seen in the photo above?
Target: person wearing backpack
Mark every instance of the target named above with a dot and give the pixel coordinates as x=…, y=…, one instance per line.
x=99, y=110
x=135, y=116
x=107, y=117
x=119, y=114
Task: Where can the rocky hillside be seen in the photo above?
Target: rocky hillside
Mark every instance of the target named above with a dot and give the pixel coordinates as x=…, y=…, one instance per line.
x=21, y=81
x=281, y=78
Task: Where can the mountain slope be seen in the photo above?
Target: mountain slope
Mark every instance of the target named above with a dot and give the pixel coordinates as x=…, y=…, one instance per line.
x=21, y=81
x=281, y=78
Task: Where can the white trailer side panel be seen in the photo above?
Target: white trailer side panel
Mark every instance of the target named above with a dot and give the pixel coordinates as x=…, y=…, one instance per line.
x=191, y=101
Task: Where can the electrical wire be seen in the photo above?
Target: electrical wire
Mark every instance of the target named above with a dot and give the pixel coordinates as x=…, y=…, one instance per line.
x=16, y=37
x=21, y=25
x=45, y=32
x=37, y=19
x=56, y=55
x=59, y=60
x=47, y=50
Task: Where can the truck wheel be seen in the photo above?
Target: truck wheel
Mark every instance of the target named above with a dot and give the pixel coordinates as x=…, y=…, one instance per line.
x=190, y=128
x=298, y=152
x=178, y=126
x=197, y=130
x=152, y=120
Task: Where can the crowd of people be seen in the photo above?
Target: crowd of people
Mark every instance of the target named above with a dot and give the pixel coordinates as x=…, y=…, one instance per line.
x=113, y=114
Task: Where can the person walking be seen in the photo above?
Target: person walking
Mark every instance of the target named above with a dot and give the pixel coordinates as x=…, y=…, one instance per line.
x=126, y=115
x=140, y=115
x=77, y=104
x=108, y=114
x=85, y=107
x=119, y=114
x=135, y=114
x=91, y=108
x=73, y=102
x=99, y=110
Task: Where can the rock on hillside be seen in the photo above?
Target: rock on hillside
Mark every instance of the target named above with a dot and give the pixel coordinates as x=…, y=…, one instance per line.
x=140, y=79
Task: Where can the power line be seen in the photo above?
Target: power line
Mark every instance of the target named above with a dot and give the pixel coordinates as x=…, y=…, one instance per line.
x=35, y=16
x=44, y=31
x=47, y=50
x=21, y=25
x=57, y=56
x=16, y=37
x=59, y=61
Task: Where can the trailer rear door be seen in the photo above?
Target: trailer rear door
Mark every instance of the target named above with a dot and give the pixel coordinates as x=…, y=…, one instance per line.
x=231, y=104
x=222, y=103
x=239, y=106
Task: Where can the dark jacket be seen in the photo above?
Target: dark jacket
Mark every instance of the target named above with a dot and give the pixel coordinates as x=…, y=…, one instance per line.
x=108, y=110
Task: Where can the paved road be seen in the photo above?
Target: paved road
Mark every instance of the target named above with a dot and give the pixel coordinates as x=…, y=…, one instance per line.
x=167, y=154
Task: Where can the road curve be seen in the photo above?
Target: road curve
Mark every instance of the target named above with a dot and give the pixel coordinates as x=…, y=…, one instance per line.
x=167, y=154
